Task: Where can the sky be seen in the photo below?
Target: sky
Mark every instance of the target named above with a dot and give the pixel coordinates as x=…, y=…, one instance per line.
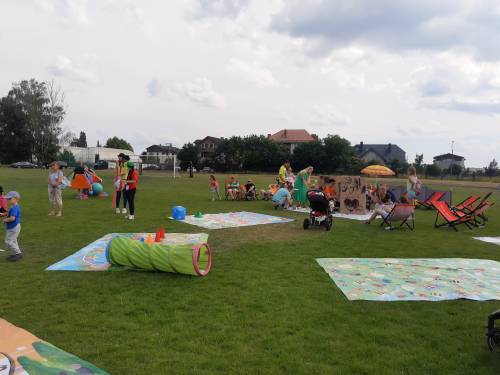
x=418, y=73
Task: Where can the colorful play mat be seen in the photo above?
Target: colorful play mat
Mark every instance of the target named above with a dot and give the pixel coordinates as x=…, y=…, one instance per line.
x=379, y=279
x=22, y=353
x=93, y=256
x=233, y=219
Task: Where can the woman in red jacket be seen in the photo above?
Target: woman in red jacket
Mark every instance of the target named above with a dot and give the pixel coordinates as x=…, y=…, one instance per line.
x=130, y=188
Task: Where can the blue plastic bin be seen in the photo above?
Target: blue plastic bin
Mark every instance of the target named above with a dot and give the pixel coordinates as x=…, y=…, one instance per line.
x=179, y=213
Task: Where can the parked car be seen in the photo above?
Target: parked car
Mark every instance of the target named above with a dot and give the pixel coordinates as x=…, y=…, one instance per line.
x=24, y=164
x=207, y=170
x=101, y=164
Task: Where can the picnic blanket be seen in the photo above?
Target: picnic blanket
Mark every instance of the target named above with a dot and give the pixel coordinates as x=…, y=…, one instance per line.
x=379, y=279
x=93, y=256
x=22, y=353
x=493, y=240
x=337, y=215
x=233, y=219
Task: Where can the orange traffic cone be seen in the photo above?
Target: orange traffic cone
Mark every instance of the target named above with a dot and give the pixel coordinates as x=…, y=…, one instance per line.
x=149, y=240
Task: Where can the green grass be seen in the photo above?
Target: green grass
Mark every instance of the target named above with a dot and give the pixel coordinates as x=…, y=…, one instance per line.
x=266, y=307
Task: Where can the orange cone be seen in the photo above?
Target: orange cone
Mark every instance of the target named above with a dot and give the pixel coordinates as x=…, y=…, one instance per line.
x=157, y=236
x=162, y=232
x=149, y=240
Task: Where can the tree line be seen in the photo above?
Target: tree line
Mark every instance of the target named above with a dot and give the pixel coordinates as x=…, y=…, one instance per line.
x=31, y=117
x=257, y=153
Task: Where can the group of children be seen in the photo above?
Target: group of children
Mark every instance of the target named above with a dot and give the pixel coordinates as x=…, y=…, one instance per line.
x=234, y=189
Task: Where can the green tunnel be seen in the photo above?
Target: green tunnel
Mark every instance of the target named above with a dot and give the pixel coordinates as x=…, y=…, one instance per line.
x=186, y=259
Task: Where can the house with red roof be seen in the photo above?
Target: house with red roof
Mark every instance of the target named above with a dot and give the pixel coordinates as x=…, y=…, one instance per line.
x=292, y=137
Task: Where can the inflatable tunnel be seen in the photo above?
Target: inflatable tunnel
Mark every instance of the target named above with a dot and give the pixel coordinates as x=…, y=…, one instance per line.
x=186, y=259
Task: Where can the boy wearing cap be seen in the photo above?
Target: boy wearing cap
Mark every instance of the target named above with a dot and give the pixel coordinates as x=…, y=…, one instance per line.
x=13, y=224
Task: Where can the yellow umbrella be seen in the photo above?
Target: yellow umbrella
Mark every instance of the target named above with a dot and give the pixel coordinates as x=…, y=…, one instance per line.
x=377, y=170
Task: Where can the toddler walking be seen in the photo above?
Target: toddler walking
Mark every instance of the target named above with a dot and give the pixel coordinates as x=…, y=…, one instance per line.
x=13, y=224
x=214, y=187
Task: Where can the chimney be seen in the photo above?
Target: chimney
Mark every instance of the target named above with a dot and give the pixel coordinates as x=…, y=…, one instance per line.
x=268, y=135
x=284, y=133
x=360, y=146
x=389, y=148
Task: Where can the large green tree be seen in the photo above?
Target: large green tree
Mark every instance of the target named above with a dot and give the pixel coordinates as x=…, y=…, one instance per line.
x=119, y=143
x=491, y=169
x=339, y=155
x=188, y=154
x=309, y=154
x=81, y=141
x=13, y=132
x=43, y=110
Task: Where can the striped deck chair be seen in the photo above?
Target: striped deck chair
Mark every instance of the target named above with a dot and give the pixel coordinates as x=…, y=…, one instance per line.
x=401, y=212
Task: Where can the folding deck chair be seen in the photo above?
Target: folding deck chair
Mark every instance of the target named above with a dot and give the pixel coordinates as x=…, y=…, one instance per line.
x=451, y=218
x=403, y=212
x=434, y=197
x=466, y=204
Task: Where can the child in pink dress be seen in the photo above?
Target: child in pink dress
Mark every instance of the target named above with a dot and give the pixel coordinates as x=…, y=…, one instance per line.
x=214, y=187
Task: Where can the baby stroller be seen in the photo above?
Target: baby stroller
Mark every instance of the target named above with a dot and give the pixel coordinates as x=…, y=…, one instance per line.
x=493, y=331
x=321, y=211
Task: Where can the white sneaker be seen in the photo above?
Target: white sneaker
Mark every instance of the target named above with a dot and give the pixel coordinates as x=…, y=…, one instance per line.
x=124, y=211
x=117, y=211
x=131, y=217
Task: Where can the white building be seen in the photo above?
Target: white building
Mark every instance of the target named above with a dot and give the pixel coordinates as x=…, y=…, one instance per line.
x=445, y=161
x=90, y=155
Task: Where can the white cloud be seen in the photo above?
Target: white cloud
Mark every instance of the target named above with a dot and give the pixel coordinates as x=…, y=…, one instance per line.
x=220, y=8
x=328, y=116
x=252, y=72
x=201, y=91
x=65, y=68
x=396, y=26
x=70, y=11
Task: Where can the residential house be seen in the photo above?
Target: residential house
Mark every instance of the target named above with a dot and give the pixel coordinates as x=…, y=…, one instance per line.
x=445, y=161
x=381, y=153
x=207, y=147
x=292, y=137
x=159, y=153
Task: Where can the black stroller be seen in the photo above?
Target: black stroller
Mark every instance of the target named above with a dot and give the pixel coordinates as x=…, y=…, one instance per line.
x=493, y=331
x=321, y=212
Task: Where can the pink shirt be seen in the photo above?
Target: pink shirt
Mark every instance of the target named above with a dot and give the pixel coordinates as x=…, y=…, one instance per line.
x=3, y=203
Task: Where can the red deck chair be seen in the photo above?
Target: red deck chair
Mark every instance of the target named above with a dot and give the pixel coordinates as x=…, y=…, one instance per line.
x=405, y=213
x=451, y=218
x=466, y=204
x=480, y=218
x=469, y=209
x=434, y=197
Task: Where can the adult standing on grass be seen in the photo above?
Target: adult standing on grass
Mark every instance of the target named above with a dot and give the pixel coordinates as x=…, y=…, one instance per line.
x=130, y=189
x=302, y=182
x=121, y=173
x=55, y=193
x=282, y=174
x=413, y=185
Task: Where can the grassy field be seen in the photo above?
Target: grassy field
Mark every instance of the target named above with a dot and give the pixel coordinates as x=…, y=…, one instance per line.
x=266, y=307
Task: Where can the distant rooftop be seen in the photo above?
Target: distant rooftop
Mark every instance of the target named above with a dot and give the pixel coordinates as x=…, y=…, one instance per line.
x=449, y=156
x=292, y=136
